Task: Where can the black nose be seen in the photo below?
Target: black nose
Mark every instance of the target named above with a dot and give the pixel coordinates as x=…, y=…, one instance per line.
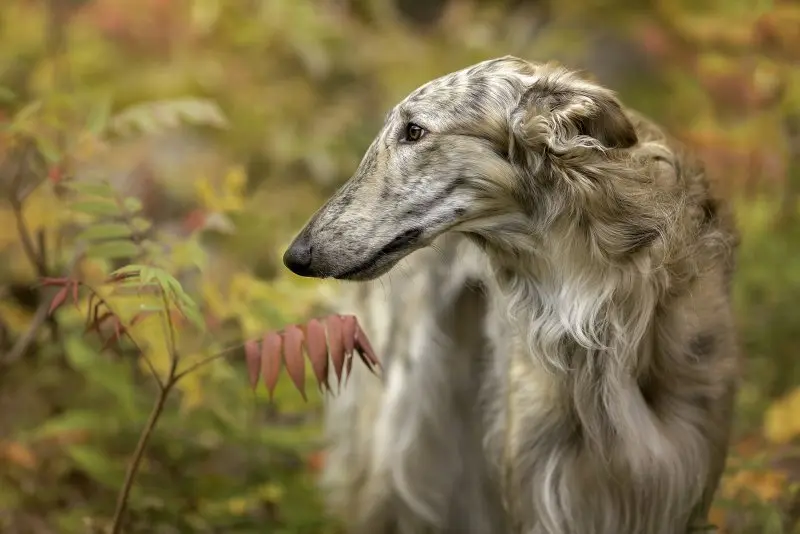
x=297, y=257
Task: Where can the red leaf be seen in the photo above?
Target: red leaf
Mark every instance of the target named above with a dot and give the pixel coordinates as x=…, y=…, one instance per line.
x=54, y=281
x=253, y=362
x=139, y=317
x=271, y=347
x=348, y=368
x=55, y=175
x=195, y=220
x=317, y=347
x=349, y=333
x=293, y=356
x=336, y=345
x=117, y=326
x=107, y=343
x=95, y=325
x=59, y=299
x=364, y=348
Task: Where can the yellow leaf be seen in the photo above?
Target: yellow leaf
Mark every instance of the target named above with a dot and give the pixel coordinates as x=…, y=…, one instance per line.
x=766, y=485
x=191, y=387
x=15, y=316
x=206, y=195
x=235, y=181
x=237, y=505
x=782, y=419
x=271, y=492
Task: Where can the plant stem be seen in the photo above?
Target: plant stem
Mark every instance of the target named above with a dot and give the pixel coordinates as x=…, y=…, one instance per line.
x=163, y=394
x=138, y=454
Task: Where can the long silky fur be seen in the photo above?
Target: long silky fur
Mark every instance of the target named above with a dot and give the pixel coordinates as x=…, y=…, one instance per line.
x=563, y=360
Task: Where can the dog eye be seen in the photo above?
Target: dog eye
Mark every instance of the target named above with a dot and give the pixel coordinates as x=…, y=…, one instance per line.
x=414, y=132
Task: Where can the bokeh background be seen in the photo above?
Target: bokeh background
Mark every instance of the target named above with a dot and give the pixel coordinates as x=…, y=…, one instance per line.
x=230, y=121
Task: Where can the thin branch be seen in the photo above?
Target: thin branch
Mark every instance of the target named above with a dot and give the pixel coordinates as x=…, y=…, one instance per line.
x=26, y=340
x=136, y=459
x=196, y=365
x=34, y=256
x=156, y=376
x=158, y=408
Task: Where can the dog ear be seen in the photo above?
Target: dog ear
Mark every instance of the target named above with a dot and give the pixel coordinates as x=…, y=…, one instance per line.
x=561, y=112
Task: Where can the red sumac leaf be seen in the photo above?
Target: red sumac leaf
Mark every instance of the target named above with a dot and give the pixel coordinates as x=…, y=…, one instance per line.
x=95, y=324
x=58, y=299
x=317, y=348
x=253, y=362
x=364, y=348
x=271, y=360
x=118, y=329
x=349, y=333
x=293, y=357
x=348, y=368
x=108, y=342
x=336, y=344
x=54, y=281
x=139, y=317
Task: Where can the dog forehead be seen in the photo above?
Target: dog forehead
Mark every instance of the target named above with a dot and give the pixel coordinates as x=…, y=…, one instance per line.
x=457, y=82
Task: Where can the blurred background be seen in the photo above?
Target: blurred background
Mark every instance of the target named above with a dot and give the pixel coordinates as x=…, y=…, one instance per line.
x=224, y=125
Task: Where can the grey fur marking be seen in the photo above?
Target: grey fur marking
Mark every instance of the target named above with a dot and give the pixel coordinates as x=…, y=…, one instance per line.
x=587, y=387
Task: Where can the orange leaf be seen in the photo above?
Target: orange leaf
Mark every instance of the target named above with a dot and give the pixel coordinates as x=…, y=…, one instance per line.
x=316, y=461
x=718, y=518
x=18, y=454
x=271, y=346
x=293, y=356
x=253, y=362
x=317, y=347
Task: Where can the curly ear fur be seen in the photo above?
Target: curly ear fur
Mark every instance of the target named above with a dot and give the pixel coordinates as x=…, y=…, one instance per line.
x=561, y=112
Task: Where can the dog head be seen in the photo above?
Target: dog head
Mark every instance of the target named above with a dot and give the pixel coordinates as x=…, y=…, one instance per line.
x=473, y=151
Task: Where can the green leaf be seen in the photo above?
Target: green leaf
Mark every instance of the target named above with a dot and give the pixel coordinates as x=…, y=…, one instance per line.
x=155, y=116
x=96, y=207
x=27, y=112
x=113, y=377
x=105, y=231
x=88, y=420
x=148, y=275
x=100, y=189
x=99, y=116
x=133, y=204
x=49, y=150
x=133, y=268
x=7, y=95
x=141, y=225
x=97, y=465
x=192, y=313
x=113, y=250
